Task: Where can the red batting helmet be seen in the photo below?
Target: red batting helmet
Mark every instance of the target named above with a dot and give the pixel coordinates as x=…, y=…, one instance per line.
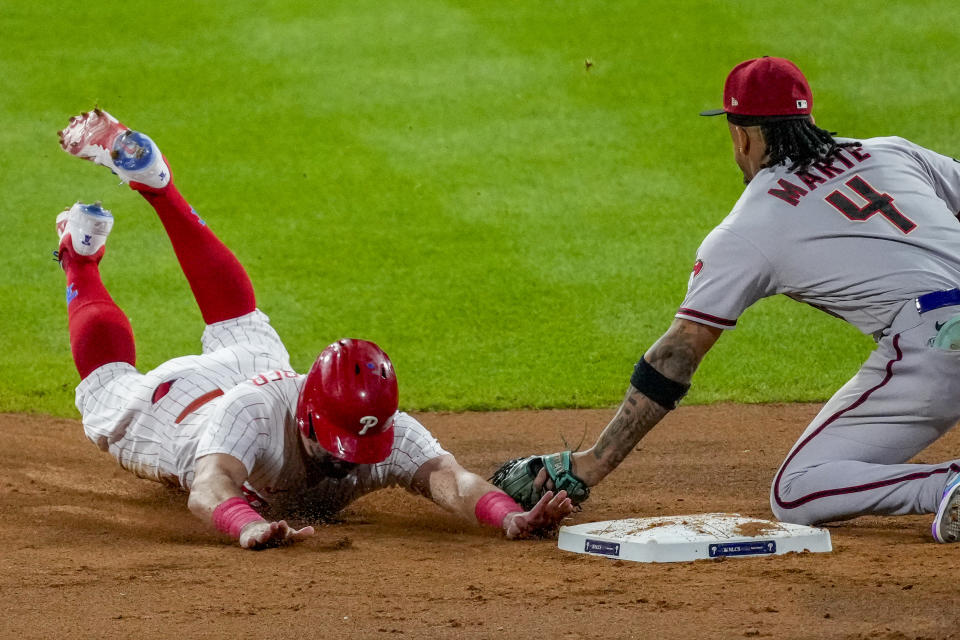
x=348, y=401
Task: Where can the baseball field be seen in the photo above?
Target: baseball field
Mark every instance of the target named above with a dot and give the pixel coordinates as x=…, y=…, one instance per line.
x=508, y=198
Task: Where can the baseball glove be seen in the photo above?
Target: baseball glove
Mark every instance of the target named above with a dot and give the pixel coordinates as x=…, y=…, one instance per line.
x=516, y=478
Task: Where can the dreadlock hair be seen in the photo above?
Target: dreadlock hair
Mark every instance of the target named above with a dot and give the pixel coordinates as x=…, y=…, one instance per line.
x=799, y=141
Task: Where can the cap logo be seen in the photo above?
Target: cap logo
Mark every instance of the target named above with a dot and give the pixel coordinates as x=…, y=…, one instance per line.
x=733, y=102
x=368, y=423
x=801, y=104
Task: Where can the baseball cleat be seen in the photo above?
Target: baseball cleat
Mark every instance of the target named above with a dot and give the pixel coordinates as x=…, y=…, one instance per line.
x=86, y=225
x=132, y=156
x=946, y=526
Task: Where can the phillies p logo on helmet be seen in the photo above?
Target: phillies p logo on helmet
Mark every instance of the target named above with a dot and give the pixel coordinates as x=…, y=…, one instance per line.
x=349, y=400
x=368, y=422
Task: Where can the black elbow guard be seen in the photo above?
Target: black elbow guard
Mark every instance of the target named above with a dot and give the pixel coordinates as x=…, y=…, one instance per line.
x=665, y=392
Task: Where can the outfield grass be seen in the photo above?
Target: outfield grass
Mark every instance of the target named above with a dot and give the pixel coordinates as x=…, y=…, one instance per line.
x=449, y=179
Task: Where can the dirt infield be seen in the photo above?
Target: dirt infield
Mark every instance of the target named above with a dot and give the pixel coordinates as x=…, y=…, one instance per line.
x=89, y=551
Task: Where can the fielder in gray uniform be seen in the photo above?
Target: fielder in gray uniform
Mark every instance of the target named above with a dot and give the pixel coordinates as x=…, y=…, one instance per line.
x=866, y=230
x=251, y=440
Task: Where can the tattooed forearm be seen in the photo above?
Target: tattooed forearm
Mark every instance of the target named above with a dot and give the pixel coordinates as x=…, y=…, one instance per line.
x=676, y=355
x=636, y=416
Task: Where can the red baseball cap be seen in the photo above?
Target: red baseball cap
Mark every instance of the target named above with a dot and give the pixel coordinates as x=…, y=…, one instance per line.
x=765, y=89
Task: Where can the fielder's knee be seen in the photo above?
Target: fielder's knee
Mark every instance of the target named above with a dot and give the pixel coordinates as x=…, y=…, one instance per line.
x=796, y=515
x=786, y=504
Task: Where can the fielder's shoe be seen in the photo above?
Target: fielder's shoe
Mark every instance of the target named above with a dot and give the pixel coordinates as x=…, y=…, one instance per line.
x=946, y=526
x=87, y=227
x=98, y=136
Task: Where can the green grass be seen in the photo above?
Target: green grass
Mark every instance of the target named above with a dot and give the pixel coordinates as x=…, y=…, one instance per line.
x=448, y=179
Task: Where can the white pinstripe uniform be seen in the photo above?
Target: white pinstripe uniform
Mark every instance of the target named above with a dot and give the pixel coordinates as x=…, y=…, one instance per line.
x=239, y=398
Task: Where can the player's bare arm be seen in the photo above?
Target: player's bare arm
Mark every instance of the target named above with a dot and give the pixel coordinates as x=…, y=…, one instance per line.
x=216, y=497
x=455, y=489
x=660, y=380
x=676, y=356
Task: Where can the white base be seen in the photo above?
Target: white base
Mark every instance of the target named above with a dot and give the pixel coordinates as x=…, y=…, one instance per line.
x=694, y=537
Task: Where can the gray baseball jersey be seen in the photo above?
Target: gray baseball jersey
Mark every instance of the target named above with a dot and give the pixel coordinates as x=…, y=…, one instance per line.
x=238, y=398
x=857, y=237
x=860, y=236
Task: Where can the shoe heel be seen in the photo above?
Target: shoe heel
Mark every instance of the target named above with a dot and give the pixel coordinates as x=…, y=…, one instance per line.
x=133, y=151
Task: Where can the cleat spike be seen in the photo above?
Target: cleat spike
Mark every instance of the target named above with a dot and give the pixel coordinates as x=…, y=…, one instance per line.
x=97, y=136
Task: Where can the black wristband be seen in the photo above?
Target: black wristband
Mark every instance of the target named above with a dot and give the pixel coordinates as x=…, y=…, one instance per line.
x=665, y=392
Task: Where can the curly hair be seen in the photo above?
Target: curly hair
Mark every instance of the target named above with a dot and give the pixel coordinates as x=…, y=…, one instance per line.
x=799, y=141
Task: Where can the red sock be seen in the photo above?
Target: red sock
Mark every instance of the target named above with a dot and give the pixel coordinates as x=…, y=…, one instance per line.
x=218, y=280
x=99, y=331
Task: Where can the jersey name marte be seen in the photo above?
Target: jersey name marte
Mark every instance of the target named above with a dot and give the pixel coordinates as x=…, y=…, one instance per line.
x=858, y=235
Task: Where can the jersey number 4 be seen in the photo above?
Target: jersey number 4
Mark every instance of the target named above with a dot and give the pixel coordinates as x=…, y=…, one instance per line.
x=877, y=202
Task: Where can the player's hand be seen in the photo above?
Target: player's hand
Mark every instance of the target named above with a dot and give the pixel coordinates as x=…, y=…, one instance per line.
x=262, y=534
x=545, y=516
